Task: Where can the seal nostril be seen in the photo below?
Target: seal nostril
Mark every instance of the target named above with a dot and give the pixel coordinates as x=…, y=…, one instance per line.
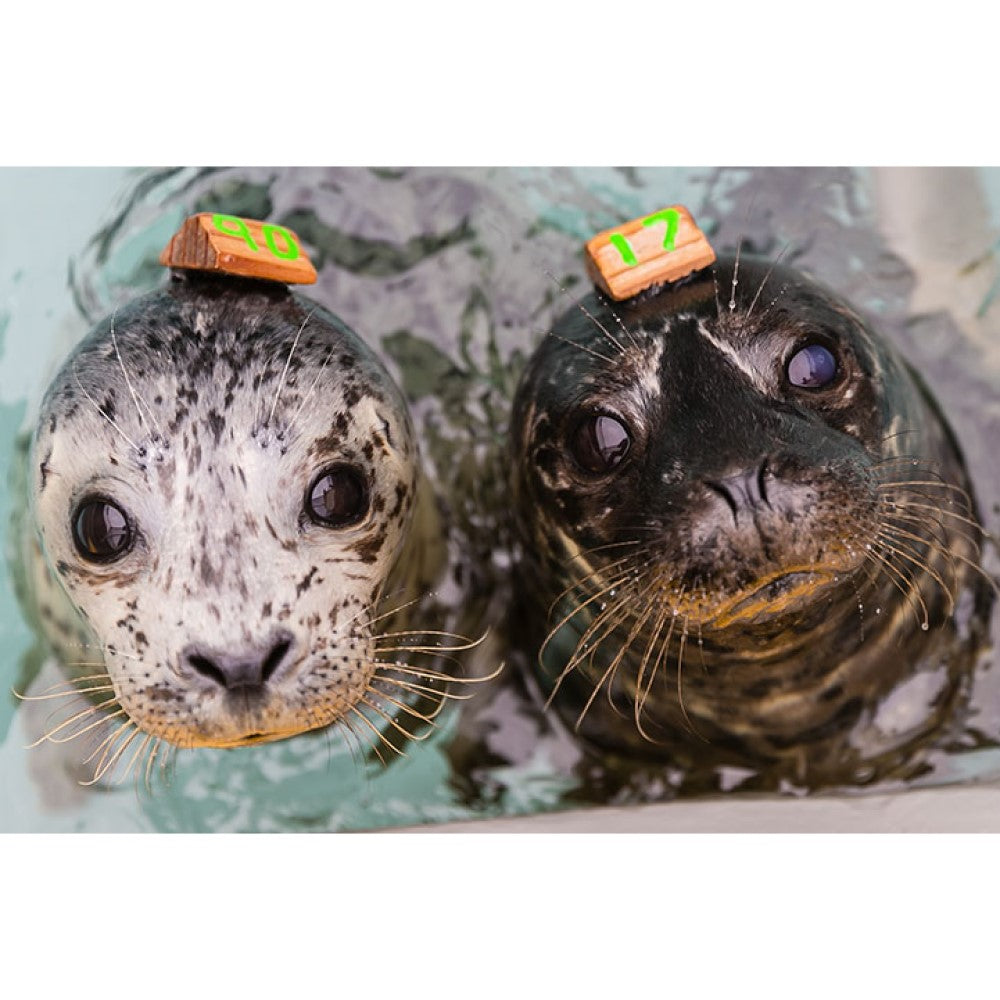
x=726, y=495
x=207, y=668
x=274, y=658
x=762, y=482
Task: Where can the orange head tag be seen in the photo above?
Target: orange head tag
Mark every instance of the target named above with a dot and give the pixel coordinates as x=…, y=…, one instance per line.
x=651, y=250
x=228, y=244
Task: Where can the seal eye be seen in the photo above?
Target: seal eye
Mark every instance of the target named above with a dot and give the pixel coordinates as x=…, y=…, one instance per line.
x=600, y=443
x=337, y=497
x=101, y=530
x=812, y=367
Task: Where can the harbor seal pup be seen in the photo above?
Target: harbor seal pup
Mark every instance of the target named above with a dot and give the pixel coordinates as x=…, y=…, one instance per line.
x=224, y=478
x=750, y=525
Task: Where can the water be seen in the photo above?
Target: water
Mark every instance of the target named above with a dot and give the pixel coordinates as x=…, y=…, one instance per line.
x=453, y=275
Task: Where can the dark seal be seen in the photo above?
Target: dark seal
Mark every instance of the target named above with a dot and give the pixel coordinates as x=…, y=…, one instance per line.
x=748, y=535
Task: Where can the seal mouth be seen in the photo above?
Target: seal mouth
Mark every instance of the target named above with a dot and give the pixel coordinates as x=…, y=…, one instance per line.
x=774, y=595
x=248, y=739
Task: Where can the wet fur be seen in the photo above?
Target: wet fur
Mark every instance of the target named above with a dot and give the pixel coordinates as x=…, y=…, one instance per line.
x=206, y=409
x=662, y=638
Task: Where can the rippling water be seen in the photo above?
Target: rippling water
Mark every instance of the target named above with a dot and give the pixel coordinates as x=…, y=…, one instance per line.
x=453, y=275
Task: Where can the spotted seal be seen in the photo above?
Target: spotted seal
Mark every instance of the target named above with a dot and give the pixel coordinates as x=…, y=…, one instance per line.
x=226, y=483
x=750, y=526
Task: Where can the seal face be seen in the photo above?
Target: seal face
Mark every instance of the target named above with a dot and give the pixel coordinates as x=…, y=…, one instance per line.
x=746, y=517
x=223, y=477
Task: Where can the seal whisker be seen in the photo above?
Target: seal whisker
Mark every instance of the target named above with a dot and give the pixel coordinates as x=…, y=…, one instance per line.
x=965, y=527
x=579, y=582
x=385, y=614
x=600, y=326
x=434, y=654
x=901, y=524
x=973, y=565
x=898, y=434
x=288, y=362
x=680, y=689
x=642, y=694
x=404, y=706
x=609, y=674
x=68, y=722
x=62, y=694
x=110, y=738
x=106, y=766
x=897, y=545
x=428, y=674
x=950, y=553
x=905, y=588
x=312, y=389
x=366, y=747
x=86, y=729
x=426, y=650
x=715, y=285
x=628, y=333
x=736, y=275
x=100, y=410
x=582, y=554
x=598, y=575
x=934, y=484
x=661, y=647
x=395, y=723
x=149, y=763
x=421, y=688
x=936, y=544
x=582, y=347
x=605, y=622
x=345, y=732
x=930, y=518
x=135, y=757
x=128, y=381
x=378, y=732
x=576, y=610
x=466, y=642
x=903, y=502
x=770, y=271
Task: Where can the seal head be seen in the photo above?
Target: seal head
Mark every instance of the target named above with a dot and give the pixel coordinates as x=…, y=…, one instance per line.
x=755, y=487
x=222, y=478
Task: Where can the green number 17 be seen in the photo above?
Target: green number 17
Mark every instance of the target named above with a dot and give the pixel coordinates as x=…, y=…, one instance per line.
x=669, y=215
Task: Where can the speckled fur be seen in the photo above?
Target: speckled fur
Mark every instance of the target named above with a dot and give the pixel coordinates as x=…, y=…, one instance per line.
x=206, y=410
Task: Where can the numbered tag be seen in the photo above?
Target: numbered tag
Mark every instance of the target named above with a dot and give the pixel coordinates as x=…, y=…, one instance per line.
x=651, y=250
x=228, y=244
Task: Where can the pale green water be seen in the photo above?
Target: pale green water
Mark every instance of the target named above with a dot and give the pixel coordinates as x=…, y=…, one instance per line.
x=444, y=272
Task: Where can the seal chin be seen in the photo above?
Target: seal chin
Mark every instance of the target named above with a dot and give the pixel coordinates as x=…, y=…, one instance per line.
x=775, y=595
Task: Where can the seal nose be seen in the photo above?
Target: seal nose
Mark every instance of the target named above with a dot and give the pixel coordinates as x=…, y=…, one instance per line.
x=246, y=669
x=746, y=490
